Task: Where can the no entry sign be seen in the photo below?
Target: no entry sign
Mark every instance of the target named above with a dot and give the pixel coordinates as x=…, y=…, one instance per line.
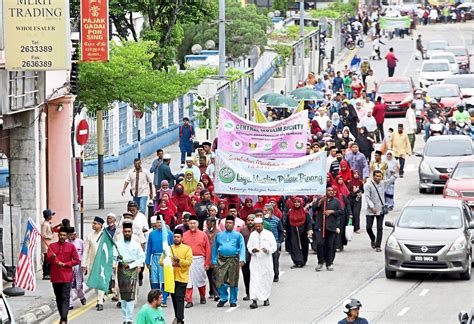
x=82, y=132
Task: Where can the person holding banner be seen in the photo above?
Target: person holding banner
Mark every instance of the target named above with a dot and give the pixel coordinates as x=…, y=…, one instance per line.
x=130, y=258
x=327, y=224
x=63, y=257
x=182, y=257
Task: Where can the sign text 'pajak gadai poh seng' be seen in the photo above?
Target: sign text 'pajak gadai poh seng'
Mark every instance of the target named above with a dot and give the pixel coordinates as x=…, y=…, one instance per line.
x=36, y=34
x=285, y=138
x=241, y=174
x=95, y=30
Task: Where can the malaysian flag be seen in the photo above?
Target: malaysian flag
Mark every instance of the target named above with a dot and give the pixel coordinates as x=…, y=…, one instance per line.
x=25, y=272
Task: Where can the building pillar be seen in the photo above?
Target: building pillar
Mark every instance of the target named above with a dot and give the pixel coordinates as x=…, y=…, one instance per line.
x=59, y=152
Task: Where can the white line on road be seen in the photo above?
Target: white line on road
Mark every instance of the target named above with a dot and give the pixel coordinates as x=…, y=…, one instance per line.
x=424, y=292
x=232, y=309
x=403, y=311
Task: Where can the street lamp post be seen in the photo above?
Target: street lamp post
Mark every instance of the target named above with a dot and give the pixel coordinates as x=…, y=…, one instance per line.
x=221, y=38
x=302, y=38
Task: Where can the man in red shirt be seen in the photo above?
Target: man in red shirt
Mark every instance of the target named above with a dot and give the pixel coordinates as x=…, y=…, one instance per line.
x=379, y=115
x=391, y=62
x=199, y=243
x=63, y=257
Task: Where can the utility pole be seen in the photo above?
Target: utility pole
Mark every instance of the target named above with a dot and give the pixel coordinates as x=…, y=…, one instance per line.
x=221, y=39
x=100, y=156
x=302, y=38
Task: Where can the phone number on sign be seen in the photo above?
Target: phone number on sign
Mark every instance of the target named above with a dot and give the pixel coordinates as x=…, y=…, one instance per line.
x=36, y=49
x=28, y=64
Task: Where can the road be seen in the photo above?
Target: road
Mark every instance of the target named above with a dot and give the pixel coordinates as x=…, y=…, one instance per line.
x=304, y=296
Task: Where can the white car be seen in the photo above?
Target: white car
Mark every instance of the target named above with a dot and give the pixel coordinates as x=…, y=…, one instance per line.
x=434, y=72
x=447, y=56
x=436, y=46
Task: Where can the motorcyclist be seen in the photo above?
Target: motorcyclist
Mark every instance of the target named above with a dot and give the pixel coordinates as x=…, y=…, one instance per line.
x=452, y=129
x=433, y=110
x=351, y=307
x=461, y=115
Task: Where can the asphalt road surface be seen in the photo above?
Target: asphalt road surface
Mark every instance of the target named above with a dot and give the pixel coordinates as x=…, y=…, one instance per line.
x=304, y=296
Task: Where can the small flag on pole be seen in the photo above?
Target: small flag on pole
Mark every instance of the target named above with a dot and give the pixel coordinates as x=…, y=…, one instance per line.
x=299, y=108
x=101, y=271
x=25, y=273
x=258, y=115
x=168, y=271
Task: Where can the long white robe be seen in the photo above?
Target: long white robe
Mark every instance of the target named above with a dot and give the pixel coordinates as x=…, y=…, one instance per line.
x=261, y=264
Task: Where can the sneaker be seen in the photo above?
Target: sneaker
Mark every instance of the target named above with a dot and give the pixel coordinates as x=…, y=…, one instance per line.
x=330, y=268
x=253, y=305
x=83, y=301
x=276, y=279
x=203, y=301
x=372, y=244
x=216, y=298
x=266, y=303
x=71, y=307
x=100, y=308
x=188, y=305
x=378, y=249
x=221, y=303
x=115, y=298
x=247, y=297
x=319, y=267
x=233, y=305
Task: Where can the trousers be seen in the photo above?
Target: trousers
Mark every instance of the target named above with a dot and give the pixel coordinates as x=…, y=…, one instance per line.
x=189, y=294
x=62, y=291
x=402, y=165
x=391, y=71
x=411, y=138
x=246, y=275
x=326, y=247
x=127, y=310
x=379, y=134
x=224, y=295
x=178, y=300
x=370, y=223
x=100, y=296
x=276, y=261
x=212, y=283
x=141, y=201
x=46, y=265
x=79, y=294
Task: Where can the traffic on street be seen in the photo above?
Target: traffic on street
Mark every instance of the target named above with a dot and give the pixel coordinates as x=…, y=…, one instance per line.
x=345, y=196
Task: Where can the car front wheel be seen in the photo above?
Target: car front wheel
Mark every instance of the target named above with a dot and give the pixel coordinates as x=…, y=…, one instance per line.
x=390, y=274
x=466, y=275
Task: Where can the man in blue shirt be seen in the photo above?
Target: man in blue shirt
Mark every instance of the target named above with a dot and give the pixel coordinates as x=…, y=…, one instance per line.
x=228, y=256
x=351, y=307
x=275, y=226
x=357, y=161
x=154, y=168
x=338, y=83
x=186, y=139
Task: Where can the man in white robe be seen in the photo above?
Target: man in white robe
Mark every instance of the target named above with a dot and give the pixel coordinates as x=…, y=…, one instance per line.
x=261, y=245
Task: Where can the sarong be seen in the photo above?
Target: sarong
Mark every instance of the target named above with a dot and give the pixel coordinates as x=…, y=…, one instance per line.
x=227, y=271
x=156, y=271
x=197, y=272
x=127, y=281
x=77, y=277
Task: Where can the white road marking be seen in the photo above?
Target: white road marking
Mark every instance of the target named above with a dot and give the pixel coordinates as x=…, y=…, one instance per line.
x=232, y=309
x=403, y=311
x=408, y=65
x=424, y=292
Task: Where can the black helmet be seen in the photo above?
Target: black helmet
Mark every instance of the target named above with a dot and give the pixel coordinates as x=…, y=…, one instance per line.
x=349, y=304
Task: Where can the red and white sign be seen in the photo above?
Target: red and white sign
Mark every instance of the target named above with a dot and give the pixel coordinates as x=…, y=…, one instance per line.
x=95, y=30
x=82, y=132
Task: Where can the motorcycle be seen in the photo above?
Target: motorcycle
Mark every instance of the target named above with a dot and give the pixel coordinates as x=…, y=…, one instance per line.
x=419, y=114
x=351, y=41
x=436, y=127
x=464, y=69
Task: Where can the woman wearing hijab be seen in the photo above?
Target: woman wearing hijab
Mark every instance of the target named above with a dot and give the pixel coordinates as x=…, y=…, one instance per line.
x=207, y=182
x=165, y=187
x=261, y=202
x=276, y=211
x=181, y=201
x=392, y=170
x=299, y=227
x=356, y=190
x=349, y=117
x=222, y=207
x=345, y=171
x=342, y=194
x=246, y=209
x=336, y=122
x=189, y=183
x=167, y=212
x=315, y=128
x=365, y=143
x=171, y=205
x=357, y=86
x=330, y=181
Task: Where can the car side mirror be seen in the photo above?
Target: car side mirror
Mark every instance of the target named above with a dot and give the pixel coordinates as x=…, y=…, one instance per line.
x=389, y=224
x=417, y=154
x=471, y=225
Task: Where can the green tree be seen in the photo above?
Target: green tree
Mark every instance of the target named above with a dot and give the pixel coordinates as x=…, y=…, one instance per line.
x=281, y=5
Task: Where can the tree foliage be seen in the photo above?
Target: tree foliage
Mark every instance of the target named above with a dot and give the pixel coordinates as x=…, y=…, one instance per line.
x=130, y=77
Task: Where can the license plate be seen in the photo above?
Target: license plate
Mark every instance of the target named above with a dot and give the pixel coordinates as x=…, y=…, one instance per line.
x=470, y=202
x=424, y=258
x=392, y=107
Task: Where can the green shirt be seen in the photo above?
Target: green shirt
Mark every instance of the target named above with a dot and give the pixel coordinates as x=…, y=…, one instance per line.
x=347, y=84
x=150, y=315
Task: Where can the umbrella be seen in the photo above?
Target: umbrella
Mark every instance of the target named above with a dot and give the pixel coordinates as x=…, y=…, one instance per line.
x=306, y=94
x=278, y=100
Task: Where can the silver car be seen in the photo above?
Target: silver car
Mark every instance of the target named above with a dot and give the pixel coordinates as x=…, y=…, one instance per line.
x=440, y=156
x=430, y=235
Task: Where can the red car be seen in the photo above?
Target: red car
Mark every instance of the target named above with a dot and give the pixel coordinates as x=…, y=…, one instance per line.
x=397, y=94
x=460, y=185
x=449, y=94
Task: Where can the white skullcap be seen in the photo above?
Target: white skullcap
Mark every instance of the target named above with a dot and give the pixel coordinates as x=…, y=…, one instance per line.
x=258, y=220
x=112, y=215
x=153, y=219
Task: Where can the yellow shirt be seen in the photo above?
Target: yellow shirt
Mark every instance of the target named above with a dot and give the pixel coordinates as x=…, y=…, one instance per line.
x=185, y=255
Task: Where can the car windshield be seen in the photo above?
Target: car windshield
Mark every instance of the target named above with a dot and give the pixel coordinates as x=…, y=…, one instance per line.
x=394, y=87
x=437, y=45
x=442, y=92
x=463, y=171
x=448, y=148
x=462, y=82
x=430, y=217
x=457, y=51
x=450, y=58
x=435, y=67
